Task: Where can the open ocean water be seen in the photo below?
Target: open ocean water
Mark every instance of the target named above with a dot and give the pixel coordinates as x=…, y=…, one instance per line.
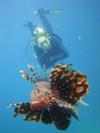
x=79, y=27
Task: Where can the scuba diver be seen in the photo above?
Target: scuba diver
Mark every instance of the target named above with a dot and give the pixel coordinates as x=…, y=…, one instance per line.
x=47, y=45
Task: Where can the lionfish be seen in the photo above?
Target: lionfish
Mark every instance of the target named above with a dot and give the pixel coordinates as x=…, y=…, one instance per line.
x=54, y=96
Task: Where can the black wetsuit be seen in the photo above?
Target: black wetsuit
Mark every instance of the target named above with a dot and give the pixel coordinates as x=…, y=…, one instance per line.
x=52, y=55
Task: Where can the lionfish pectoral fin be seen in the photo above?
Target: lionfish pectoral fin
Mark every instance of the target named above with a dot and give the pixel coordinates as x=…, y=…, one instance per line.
x=74, y=113
x=61, y=117
x=12, y=105
x=15, y=114
x=46, y=117
x=28, y=117
x=83, y=102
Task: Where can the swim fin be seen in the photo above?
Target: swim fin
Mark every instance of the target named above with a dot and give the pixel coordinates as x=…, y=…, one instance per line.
x=56, y=11
x=47, y=11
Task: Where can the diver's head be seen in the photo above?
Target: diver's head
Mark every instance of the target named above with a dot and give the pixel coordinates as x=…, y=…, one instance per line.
x=42, y=38
x=39, y=31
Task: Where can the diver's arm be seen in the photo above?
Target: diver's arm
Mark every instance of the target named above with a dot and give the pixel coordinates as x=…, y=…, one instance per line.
x=31, y=27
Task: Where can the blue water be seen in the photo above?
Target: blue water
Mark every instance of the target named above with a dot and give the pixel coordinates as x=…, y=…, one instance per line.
x=79, y=26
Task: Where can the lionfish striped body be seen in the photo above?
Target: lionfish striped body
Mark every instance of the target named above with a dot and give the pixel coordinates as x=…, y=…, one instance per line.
x=54, y=97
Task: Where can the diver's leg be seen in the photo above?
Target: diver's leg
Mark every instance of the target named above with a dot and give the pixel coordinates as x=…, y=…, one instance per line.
x=42, y=14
